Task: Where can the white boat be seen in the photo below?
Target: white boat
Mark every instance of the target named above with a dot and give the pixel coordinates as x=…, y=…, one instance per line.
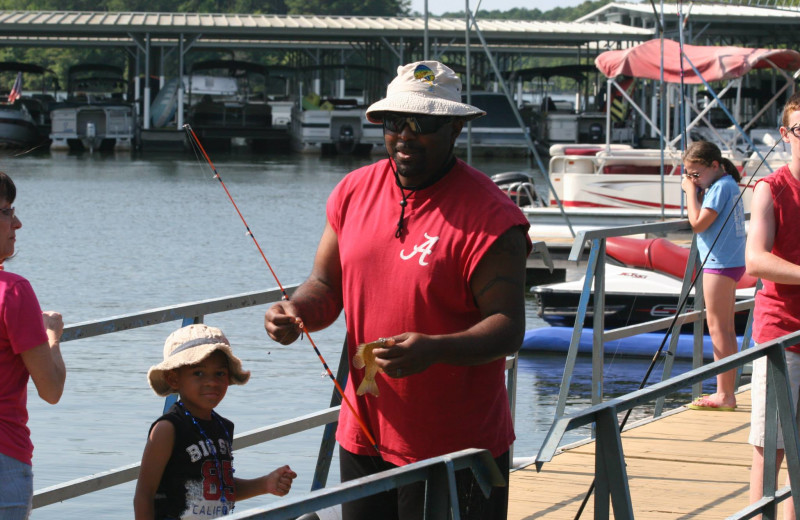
x=613, y=184
x=335, y=123
x=556, y=118
x=618, y=176
x=279, y=81
x=96, y=114
x=25, y=115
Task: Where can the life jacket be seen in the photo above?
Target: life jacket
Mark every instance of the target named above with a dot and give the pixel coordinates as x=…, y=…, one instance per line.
x=620, y=108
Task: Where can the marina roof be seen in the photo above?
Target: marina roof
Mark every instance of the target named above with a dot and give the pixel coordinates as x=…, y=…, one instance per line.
x=698, y=11
x=19, y=26
x=714, y=22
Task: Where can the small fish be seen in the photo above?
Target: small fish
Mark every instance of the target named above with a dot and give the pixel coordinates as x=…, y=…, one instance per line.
x=365, y=358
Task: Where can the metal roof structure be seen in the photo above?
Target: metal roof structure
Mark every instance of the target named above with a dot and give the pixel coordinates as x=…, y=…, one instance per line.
x=49, y=28
x=311, y=40
x=713, y=22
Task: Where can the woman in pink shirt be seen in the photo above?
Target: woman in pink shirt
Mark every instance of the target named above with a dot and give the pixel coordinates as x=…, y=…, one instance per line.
x=29, y=347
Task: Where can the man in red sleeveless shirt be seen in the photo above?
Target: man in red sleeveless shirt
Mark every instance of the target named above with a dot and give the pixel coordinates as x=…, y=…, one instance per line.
x=424, y=250
x=773, y=254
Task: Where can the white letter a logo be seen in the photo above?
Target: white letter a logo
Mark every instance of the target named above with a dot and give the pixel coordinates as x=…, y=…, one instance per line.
x=423, y=250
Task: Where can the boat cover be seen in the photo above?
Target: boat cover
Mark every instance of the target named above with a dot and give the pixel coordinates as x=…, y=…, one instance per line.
x=657, y=254
x=715, y=63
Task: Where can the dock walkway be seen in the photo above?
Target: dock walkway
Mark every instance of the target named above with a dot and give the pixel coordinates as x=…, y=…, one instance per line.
x=688, y=464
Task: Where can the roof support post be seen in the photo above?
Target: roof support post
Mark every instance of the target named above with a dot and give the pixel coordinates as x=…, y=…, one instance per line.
x=146, y=123
x=425, y=35
x=137, y=82
x=180, y=82
x=469, y=79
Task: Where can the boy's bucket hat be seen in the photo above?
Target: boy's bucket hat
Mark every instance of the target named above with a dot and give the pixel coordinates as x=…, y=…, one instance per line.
x=190, y=345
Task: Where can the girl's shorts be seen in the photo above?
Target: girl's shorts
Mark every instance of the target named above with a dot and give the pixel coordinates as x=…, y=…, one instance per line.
x=731, y=272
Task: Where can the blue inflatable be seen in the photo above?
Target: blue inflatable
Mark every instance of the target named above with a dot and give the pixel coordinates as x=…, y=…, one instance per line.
x=556, y=339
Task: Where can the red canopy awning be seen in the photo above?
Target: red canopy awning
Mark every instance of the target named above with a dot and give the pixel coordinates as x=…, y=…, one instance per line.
x=714, y=63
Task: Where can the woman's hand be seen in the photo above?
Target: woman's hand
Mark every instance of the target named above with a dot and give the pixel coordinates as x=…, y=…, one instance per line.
x=54, y=325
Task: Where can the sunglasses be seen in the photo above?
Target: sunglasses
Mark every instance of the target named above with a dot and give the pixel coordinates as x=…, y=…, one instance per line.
x=692, y=175
x=419, y=124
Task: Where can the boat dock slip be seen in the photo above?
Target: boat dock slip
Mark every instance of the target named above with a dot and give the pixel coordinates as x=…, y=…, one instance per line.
x=687, y=464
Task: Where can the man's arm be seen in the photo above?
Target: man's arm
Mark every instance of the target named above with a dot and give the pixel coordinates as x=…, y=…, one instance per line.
x=760, y=260
x=498, y=288
x=317, y=301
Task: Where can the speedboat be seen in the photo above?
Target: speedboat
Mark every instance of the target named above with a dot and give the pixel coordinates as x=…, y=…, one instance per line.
x=96, y=114
x=643, y=286
x=25, y=113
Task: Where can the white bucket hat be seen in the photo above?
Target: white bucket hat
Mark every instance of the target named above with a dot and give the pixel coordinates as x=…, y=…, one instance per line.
x=190, y=345
x=424, y=87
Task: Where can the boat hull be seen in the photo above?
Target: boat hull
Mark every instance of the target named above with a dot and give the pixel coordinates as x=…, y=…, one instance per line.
x=560, y=308
x=17, y=128
x=557, y=340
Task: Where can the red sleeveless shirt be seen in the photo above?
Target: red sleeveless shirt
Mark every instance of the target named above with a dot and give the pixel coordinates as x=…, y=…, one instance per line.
x=777, y=310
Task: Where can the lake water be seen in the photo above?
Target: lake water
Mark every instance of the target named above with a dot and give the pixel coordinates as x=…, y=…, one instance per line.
x=106, y=235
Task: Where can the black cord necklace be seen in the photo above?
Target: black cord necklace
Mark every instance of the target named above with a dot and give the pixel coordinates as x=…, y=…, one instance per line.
x=448, y=165
x=213, y=450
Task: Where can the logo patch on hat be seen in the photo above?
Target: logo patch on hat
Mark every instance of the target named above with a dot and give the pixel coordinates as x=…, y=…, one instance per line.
x=424, y=73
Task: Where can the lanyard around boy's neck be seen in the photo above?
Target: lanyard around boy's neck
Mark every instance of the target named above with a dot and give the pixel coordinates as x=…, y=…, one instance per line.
x=212, y=448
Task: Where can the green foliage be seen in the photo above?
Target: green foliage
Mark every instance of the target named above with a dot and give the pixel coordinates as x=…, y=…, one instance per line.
x=518, y=13
x=349, y=7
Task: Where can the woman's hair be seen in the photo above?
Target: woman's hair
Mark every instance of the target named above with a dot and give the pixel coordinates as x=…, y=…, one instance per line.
x=8, y=192
x=706, y=153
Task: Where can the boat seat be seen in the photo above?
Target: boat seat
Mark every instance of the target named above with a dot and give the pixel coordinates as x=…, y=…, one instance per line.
x=342, y=103
x=636, y=169
x=581, y=151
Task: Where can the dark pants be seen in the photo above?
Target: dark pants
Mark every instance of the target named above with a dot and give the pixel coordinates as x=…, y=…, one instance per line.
x=408, y=502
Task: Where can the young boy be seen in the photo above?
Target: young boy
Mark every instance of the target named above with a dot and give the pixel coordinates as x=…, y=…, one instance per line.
x=773, y=254
x=187, y=465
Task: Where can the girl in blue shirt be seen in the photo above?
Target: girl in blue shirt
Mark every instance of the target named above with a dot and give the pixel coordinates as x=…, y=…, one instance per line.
x=712, y=193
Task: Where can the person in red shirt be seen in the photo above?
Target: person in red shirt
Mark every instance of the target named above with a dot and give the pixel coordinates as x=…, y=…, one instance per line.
x=772, y=253
x=425, y=251
x=29, y=349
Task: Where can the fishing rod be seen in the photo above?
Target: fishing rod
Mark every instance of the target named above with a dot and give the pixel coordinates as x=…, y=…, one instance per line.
x=199, y=147
x=678, y=311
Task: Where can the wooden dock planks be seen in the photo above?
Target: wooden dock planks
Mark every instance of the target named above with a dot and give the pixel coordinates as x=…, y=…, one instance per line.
x=688, y=464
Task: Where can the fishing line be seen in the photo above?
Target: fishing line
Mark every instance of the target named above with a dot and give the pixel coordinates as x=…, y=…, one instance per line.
x=198, y=147
x=679, y=310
